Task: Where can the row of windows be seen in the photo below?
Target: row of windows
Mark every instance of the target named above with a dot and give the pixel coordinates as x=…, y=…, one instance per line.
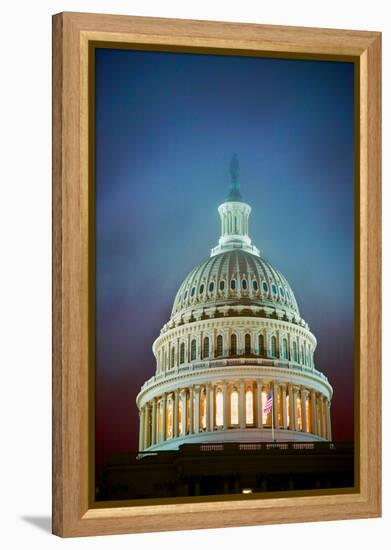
x=244, y=285
x=284, y=352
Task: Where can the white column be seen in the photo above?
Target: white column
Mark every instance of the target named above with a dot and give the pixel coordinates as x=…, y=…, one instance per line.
x=314, y=420
x=291, y=408
x=184, y=412
x=211, y=408
x=242, y=405
x=146, y=425
x=304, y=410
x=191, y=410
x=164, y=431
x=175, y=415
x=275, y=406
x=207, y=406
x=225, y=405
x=284, y=415
x=153, y=427
x=197, y=410
x=323, y=403
x=259, y=405
x=295, y=423
x=329, y=434
x=141, y=430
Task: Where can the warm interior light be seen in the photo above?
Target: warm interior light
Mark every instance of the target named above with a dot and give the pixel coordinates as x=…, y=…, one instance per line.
x=247, y=491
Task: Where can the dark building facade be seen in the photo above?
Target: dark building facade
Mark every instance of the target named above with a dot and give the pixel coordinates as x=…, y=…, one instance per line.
x=227, y=468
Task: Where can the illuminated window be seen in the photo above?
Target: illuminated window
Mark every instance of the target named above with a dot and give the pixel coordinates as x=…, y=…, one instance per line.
x=219, y=347
x=299, y=418
x=193, y=350
x=182, y=353
x=172, y=360
x=247, y=344
x=261, y=345
x=203, y=410
x=169, y=418
x=233, y=284
x=273, y=343
x=180, y=417
x=233, y=348
x=308, y=415
x=279, y=408
x=206, y=347
x=288, y=421
x=219, y=408
x=234, y=407
x=266, y=417
x=249, y=407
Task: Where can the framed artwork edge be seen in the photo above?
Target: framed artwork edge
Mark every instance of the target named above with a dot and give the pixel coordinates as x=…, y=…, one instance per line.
x=73, y=514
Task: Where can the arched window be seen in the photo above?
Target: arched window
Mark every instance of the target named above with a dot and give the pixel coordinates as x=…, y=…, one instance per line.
x=219, y=346
x=182, y=353
x=295, y=352
x=202, y=289
x=255, y=285
x=264, y=286
x=249, y=407
x=234, y=407
x=219, y=408
x=222, y=285
x=172, y=359
x=233, y=284
x=233, y=349
x=244, y=284
x=285, y=348
x=261, y=345
x=193, y=291
x=193, y=350
x=206, y=347
x=273, y=343
x=247, y=344
x=211, y=286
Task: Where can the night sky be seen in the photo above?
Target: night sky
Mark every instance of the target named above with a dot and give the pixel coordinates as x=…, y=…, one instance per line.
x=167, y=125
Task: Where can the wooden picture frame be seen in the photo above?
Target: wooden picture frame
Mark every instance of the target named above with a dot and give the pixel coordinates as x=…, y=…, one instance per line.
x=73, y=512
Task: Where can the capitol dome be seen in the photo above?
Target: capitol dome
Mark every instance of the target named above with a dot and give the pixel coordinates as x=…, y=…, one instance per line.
x=235, y=361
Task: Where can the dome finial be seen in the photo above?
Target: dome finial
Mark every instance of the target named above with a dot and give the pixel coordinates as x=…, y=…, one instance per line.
x=234, y=188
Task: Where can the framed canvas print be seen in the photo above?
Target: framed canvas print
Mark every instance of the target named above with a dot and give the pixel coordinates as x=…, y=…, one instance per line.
x=216, y=268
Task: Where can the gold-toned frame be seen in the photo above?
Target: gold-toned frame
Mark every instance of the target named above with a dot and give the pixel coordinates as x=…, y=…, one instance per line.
x=73, y=35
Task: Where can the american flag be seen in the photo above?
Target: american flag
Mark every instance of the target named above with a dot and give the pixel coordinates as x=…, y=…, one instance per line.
x=269, y=403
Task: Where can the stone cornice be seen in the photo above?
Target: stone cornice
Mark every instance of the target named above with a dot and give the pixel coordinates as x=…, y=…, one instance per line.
x=309, y=379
